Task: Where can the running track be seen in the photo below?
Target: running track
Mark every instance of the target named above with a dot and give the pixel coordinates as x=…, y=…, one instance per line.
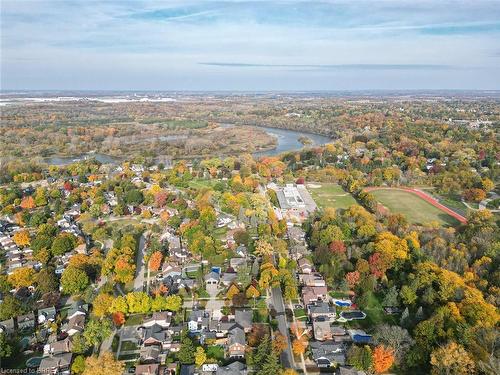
x=425, y=197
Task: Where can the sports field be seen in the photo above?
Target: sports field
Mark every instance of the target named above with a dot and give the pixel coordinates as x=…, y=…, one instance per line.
x=330, y=195
x=416, y=209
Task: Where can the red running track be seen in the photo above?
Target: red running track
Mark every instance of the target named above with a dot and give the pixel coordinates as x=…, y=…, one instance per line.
x=425, y=197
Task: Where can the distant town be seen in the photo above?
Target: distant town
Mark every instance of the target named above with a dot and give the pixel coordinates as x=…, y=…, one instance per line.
x=350, y=251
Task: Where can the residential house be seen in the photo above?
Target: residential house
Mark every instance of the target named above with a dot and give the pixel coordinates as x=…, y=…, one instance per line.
x=313, y=294
x=171, y=269
x=155, y=335
x=328, y=353
x=212, y=278
x=236, y=263
x=161, y=319
x=147, y=369
x=227, y=278
x=74, y=325
x=198, y=320
x=26, y=321
x=305, y=265
x=149, y=354
x=56, y=364
x=220, y=327
x=77, y=308
x=321, y=329
x=237, y=342
x=235, y=368
x=57, y=347
x=46, y=315
x=187, y=370
x=322, y=309
x=312, y=279
x=244, y=318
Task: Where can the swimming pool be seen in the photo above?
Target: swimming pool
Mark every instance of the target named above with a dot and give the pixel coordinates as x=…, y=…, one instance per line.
x=33, y=362
x=342, y=302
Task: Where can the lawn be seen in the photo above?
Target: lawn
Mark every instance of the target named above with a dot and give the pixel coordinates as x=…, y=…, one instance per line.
x=416, y=210
x=300, y=314
x=134, y=320
x=216, y=352
x=330, y=195
x=128, y=345
x=375, y=315
x=201, y=183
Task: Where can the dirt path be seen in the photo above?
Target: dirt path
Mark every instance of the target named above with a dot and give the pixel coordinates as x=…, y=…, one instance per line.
x=425, y=197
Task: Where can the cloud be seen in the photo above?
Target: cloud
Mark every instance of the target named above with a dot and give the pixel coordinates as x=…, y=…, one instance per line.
x=120, y=42
x=335, y=66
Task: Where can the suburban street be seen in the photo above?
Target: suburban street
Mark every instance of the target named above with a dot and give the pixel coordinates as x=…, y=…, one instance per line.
x=141, y=267
x=286, y=357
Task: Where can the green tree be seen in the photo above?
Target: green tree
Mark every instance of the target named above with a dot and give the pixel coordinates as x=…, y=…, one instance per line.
x=47, y=281
x=78, y=365
x=5, y=348
x=74, y=280
x=186, y=352
x=97, y=330
x=80, y=344
x=360, y=357
x=63, y=243
x=10, y=307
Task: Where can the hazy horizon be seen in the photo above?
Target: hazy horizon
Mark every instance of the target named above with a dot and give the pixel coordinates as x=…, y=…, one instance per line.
x=250, y=46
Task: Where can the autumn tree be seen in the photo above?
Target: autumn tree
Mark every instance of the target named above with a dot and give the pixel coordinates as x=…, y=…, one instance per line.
x=298, y=346
x=452, y=359
x=279, y=343
x=28, y=203
x=393, y=337
x=104, y=364
x=118, y=318
x=101, y=304
x=200, y=356
x=155, y=261
x=474, y=195
x=22, y=277
x=21, y=238
x=263, y=248
x=382, y=358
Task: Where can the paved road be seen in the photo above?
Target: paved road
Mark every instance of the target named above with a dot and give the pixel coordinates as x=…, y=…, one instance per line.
x=286, y=357
x=139, y=263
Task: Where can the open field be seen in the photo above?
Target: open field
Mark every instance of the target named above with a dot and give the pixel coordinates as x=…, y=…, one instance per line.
x=330, y=195
x=416, y=209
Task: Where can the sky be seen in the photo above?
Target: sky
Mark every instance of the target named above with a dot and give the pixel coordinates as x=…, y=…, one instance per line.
x=249, y=45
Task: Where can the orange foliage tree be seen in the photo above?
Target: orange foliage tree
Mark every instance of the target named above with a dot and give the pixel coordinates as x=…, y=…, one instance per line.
x=383, y=359
x=118, y=318
x=298, y=347
x=155, y=261
x=28, y=203
x=279, y=343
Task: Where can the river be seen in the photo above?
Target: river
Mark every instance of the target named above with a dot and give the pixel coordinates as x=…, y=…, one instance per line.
x=288, y=140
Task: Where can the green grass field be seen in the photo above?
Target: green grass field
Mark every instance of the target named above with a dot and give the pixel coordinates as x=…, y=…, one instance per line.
x=201, y=183
x=330, y=195
x=416, y=210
